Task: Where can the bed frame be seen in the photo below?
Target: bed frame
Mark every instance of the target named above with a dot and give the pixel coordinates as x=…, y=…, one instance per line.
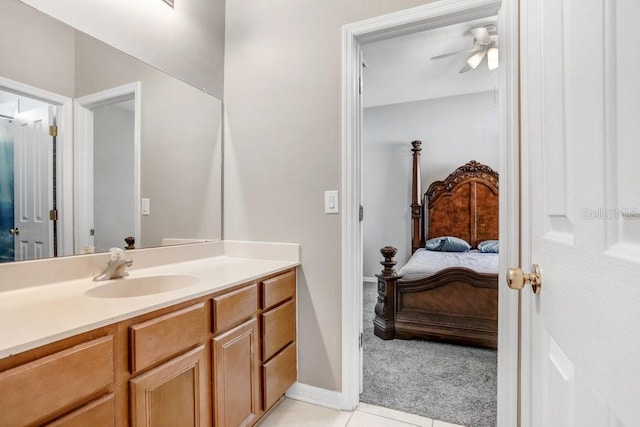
x=456, y=304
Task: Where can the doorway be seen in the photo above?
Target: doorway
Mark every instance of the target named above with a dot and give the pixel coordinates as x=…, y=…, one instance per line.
x=108, y=163
x=34, y=215
x=409, y=96
x=430, y=16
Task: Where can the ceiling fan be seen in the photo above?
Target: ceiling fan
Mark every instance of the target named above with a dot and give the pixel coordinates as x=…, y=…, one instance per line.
x=485, y=44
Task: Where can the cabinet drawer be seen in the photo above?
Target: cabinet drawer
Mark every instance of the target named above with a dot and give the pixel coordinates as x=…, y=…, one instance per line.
x=278, y=329
x=278, y=289
x=50, y=385
x=165, y=336
x=279, y=374
x=100, y=412
x=234, y=307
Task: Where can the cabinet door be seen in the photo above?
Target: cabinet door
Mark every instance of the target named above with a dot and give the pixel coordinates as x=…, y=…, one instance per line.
x=172, y=394
x=236, y=368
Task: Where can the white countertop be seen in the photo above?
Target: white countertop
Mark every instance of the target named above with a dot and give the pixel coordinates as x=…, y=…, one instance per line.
x=39, y=315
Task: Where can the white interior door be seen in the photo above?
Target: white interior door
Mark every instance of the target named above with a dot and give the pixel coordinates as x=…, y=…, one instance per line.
x=33, y=167
x=581, y=124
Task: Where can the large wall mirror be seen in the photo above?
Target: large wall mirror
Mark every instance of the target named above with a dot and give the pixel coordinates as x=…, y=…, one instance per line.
x=97, y=146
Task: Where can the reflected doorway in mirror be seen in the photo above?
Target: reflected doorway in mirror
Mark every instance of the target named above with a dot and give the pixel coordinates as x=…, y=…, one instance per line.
x=34, y=223
x=107, y=164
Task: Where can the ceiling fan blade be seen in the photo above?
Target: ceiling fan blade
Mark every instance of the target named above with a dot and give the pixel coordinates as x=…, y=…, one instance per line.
x=475, y=59
x=481, y=34
x=464, y=69
x=451, y=54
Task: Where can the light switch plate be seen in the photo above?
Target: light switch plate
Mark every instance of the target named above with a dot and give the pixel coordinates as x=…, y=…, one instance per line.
x=331, y=202
x=144, y=207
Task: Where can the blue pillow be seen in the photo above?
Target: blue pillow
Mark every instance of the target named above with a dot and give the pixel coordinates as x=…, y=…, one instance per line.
x=447, y=244
x=489, y=246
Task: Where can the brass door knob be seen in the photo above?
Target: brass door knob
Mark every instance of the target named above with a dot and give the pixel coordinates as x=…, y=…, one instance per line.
x=14, y=231
x=516, y=278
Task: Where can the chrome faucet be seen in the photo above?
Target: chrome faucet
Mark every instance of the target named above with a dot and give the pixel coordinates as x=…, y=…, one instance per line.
x=116, y=266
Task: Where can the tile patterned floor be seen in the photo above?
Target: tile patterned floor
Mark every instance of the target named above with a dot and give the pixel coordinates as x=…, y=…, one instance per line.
x=294, y=413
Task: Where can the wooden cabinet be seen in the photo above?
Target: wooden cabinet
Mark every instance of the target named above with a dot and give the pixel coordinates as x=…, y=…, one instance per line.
x=162, y=337
x=236, y=376
x=232, y=308
x=173, y=393
x=218, y=360
x=47, y=387
x=279, y=353
x=100, y=412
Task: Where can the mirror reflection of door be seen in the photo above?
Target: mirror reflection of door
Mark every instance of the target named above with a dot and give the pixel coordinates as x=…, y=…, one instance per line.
x=107, y=164
x=27, y=153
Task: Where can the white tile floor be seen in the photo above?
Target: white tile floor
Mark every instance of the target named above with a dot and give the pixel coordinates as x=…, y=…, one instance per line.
x=293, y=413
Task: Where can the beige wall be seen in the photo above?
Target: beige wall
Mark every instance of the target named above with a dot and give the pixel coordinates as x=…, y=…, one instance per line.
x=41, y=43
x=283, y=149
x=186, y=42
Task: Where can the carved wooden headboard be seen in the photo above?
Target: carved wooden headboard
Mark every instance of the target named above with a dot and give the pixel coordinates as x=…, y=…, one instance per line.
x=464, y=205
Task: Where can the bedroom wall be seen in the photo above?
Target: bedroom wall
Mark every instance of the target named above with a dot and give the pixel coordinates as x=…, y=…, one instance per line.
x=453, y=130
x=283, y=150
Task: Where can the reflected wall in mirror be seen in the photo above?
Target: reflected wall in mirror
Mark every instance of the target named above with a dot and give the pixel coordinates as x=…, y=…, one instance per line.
x=126, y=132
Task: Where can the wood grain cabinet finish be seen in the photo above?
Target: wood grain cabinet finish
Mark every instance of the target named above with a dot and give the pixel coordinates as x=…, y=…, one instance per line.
x=99, y=413
x=236, y=376
x=160, y=338
x=48, y=387
x=278, y=319
x=233, y=308
x=278, y=329
x=172, y=394
x=278, y=289
x=278, y=374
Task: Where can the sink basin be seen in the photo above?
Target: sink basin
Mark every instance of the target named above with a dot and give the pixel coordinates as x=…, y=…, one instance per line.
x=141, y=286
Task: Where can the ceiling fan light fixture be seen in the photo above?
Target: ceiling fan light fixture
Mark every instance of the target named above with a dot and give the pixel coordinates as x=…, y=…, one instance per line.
x=492, y=58
x=475, y=59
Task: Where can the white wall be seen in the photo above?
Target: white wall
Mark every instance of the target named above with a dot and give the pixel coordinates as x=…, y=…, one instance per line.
x=186, y=41
x=113, y=176
x=453, y=130
x=283, y=150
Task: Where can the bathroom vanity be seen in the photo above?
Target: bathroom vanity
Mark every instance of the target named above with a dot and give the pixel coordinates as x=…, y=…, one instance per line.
x=218, y=348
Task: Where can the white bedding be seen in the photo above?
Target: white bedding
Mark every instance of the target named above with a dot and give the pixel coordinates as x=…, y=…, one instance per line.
x=426, y=263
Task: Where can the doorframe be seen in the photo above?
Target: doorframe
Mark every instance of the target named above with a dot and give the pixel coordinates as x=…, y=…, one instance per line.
x=64, y=155
x=433, y=15
x=83, y=115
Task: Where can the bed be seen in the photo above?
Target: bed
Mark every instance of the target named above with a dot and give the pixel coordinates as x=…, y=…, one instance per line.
x=445, y=296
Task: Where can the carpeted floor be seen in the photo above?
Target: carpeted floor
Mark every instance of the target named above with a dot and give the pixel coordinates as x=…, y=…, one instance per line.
x=446, y=382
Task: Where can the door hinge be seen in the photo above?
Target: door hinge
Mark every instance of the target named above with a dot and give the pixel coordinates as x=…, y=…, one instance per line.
x=53, y=214
x=360, y=85
x=361, y=214
x=360, y=339
x=53, y=130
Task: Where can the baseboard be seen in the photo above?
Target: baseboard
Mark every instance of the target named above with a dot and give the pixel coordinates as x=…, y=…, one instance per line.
x=317, y=396
x=370, y=280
